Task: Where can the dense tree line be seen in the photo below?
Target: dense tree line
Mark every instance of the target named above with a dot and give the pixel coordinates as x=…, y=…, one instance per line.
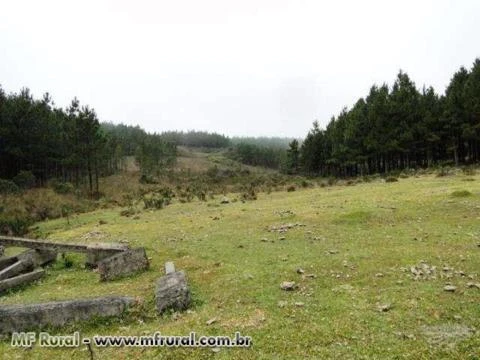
x=257, y=155
x=399, y=127
x=68, y=144
x=197, y=139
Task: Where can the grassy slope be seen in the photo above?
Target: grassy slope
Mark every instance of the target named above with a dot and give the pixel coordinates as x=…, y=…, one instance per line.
x=351, y=234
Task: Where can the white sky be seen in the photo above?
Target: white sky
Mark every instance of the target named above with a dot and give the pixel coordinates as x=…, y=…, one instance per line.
x=249, y=67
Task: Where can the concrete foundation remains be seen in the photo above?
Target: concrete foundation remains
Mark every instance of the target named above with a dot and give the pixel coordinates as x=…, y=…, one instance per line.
x=21, y=279
x=172, y=292
x=122, y=264
x=18, y=318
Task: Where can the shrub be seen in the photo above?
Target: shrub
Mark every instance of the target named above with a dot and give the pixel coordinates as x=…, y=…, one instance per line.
x=63, y=187
x=147, y=179
x=469, y=170
x=461, y=193
x=291, y=188
x=331, y=181
x=25, y=179
x=8, y=187
x=306, y=183
x=391, y=179
x=15, y=225
x=444, y=171
x=128, y=212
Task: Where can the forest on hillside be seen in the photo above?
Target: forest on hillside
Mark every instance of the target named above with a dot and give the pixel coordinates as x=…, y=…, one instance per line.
x=39, y=141
x=391, y=129
x=397, y=128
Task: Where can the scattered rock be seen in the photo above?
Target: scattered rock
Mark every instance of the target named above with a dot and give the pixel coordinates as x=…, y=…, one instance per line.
x=450, y=288
x=282, y=238
x=300, y=271
x=311, y=276
x=473, y=285
x=332, y=252
x=384, y=307
x=211, y=321
x=379, y=275
x=225, y=200
x=282, y=303
x=284, y=227
x=102, y=222
x=299, y=304
x=264, y=240
x=288, y=285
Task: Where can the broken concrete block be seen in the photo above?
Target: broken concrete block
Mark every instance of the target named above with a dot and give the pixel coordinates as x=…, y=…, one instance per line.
x=169, y=267
x=17, y=318
x=7, y=261
x=21, y=279
x=101, y=251
x=37, y=257
x=122, y=264
x=15, y=269
x=172, y=292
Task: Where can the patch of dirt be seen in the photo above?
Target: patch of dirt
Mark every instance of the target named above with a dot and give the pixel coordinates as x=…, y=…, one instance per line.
x=253, y=320
x=447, y=334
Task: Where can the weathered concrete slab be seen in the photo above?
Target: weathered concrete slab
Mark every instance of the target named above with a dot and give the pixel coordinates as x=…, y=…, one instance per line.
x=15, y=269
x=122, y=264
x=169, y=267
x=7, y=261
x=172, y=292
x=15, y=281
x=36, y=316
x=60, y=247
x=38, y=257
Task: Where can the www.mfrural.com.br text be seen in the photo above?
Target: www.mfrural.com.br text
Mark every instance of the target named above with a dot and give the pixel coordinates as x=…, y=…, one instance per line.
x=44, y=339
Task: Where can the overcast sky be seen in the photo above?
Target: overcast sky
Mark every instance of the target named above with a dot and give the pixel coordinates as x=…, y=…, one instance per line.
x=249, y=67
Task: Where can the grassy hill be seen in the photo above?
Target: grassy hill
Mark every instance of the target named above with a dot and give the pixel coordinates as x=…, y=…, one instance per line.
x=371, y=262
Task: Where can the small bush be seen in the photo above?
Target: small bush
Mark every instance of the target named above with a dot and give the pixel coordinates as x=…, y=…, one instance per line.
x=128, y=212
x=391, y=179
x=469, y=170
x=25, y=179
x=67, y=261
x=63, y=187
x=461, y=193
x=291, y=188
x=8, y=187
x=331, y=181
x=444, y=171
x=306, y=184
x=15, y=225
x=249, y=194
x=148, y=179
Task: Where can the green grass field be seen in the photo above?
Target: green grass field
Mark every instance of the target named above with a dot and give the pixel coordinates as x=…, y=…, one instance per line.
x=361, y=295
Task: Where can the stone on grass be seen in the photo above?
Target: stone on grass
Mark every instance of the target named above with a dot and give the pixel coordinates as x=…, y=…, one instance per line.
x=122, y=264
x=288, y=285
x=450, y=288
x=18, y=318
x=211, y=321
x=21, y=279
x=172, y=292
